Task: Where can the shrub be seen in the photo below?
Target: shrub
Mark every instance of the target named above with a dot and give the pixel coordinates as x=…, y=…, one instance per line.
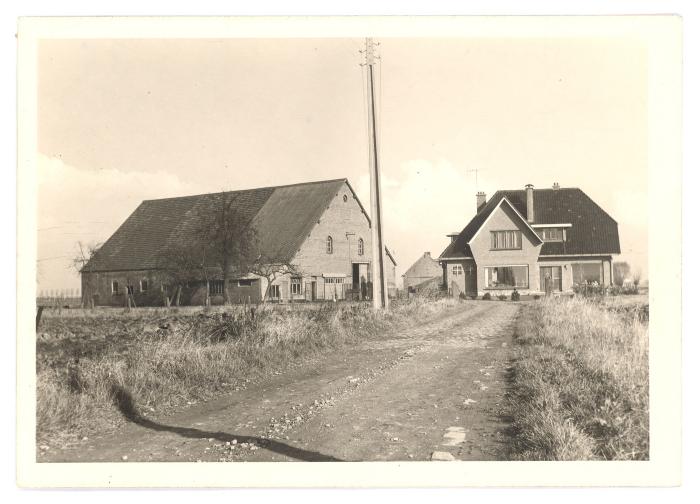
x=535, y=297
x=486, y=296
x=502, y=297
x=515, y=295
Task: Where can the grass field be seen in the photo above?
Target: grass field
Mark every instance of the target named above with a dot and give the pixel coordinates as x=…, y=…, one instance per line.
x=580, y=380
x=167, y=358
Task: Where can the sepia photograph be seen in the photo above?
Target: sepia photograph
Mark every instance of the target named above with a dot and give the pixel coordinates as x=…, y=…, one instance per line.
x=361, y=245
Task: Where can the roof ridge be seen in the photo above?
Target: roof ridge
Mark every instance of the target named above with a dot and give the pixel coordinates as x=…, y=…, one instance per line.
x=540, y=189
x=249, y=189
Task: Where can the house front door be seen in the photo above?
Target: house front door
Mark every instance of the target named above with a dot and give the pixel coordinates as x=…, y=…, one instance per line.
x=550, y=278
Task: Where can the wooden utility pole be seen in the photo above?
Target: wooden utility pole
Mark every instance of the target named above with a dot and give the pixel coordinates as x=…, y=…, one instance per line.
x=379, y=287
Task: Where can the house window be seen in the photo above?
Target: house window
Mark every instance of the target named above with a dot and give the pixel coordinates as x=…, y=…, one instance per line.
x=333, y=280
x=551, y=234
x=216, y=287
x=329, y=245
x=360, y=247
x=457, y=269
x=115, y=288
x=506, y=277
x=345, y=198
x=296, y=286
x=274, y=291
x=506, y=240
x=587, y=273
x=143, y=285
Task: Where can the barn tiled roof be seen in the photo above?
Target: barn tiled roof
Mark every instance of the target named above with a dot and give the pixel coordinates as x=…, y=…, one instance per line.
x=592, y=230
x=283, y=216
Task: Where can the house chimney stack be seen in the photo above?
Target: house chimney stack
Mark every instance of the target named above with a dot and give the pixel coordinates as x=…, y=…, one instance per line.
x=556, y=186
x=453, y=236
x=426, y=254
x=530, y=193
x=480, y=200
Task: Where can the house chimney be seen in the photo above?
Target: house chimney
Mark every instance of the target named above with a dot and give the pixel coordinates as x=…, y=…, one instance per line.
x=530, y=193
x=480, y=200
x=556, y=186
x=453, y=236
x=426, y=254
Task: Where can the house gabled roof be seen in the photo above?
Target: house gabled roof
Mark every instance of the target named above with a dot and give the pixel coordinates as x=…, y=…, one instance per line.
x=283, y=217
x=523, y=220
x=592, y=230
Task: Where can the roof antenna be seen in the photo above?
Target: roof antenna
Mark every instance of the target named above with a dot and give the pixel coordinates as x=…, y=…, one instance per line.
x=475, y=171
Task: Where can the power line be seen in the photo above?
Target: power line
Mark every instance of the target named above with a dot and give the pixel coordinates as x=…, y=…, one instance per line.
x=52, y=258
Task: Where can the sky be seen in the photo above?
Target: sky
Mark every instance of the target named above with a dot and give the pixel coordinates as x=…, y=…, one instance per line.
x=120, y=121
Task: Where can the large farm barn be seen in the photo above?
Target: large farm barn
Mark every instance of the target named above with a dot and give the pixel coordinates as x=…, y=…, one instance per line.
x=319, y=227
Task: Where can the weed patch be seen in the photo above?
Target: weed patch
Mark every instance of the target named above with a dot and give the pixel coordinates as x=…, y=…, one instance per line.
x=579, y=383
x=169, y=360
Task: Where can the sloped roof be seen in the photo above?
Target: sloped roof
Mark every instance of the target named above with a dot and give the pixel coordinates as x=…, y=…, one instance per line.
x=424, y=264
x=283, y=216
x=592, y=230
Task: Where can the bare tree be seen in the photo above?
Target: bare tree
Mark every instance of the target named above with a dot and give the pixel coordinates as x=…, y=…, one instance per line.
x=620, y=272
x=84, y=253
x=271, y=269
x=221, y=243
x=228, y=239
x=181, y=263
x=637, y=277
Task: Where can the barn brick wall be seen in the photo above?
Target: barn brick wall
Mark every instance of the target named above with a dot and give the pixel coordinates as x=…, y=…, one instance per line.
x=340, y=217
x=343, y=215
x=99, y=286
x=345, y=222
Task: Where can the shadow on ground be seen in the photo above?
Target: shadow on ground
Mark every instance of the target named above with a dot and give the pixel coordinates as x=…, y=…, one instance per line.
x=125, y=403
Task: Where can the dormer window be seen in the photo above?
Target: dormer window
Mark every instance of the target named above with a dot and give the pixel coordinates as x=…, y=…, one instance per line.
x=551, y=234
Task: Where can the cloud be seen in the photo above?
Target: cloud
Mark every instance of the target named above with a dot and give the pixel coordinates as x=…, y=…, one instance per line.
x=88, y=205
x=423, y=201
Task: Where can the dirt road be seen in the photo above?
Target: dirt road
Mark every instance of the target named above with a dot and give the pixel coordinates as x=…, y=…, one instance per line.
x=434, y=388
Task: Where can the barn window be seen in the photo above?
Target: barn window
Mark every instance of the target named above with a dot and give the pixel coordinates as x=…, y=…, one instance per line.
x=329, y=245
x=216, y=287
x=296, y=286
x=457, y=269
x=115, y=288
x=245, y=283
x=345, y=198
x=143, y=285
x=360, y=247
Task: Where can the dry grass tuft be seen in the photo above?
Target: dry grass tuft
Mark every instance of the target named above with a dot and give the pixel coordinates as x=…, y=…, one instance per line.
x=580, y=383
x=166, y=359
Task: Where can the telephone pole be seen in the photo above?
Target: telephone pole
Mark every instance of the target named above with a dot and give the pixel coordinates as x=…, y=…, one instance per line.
x=379, y=288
